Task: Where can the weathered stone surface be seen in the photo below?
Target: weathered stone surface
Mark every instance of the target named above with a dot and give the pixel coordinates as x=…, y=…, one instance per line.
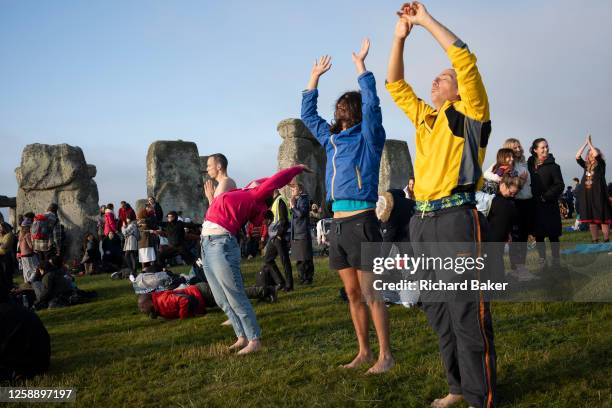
x=395, y=166
x=8, y=201
x=299, y=146
x=140, y=205
x=174, y=177
x=45, y=167
x=59, y=174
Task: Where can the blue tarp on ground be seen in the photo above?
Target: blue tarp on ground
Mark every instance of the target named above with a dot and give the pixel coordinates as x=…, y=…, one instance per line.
x=588, y=248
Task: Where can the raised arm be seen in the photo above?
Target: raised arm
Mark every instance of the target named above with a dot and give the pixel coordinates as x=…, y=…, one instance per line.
x=371, y=113
x=402, y=94
x=581, y=149
x=417, y=14
x=471, y=88
x=316, y=124
x=395, y=69
x=321, y=66
x=595, y=152
x=359, y=58
x=276, y=181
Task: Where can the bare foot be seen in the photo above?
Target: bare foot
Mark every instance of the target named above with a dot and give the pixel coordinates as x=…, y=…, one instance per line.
x=447, y=401
x=383, y=365
x=226, y=323
x=362, y=358
x=240, y=343
x=253, y=346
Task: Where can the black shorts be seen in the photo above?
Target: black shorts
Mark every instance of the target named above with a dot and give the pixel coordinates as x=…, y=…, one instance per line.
x=345, y=238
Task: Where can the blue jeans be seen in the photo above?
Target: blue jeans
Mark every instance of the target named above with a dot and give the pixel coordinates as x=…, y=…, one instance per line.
x=221, y=257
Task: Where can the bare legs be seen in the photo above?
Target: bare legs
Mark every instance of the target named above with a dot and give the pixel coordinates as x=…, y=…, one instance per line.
x=594, y=228
x=605, y=228
x=359, y=289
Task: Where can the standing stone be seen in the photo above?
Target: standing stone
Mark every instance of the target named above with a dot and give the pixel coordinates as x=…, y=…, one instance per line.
x=59, y=174
x=299, y=146
x=174, y=177
x=11, y=203
x=395, y=166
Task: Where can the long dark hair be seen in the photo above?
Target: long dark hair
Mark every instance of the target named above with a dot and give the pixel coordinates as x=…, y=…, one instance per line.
x=351, y=104
x=535, y=144
x=502, y=156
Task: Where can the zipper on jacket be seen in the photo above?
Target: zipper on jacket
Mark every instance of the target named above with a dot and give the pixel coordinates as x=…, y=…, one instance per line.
x=358, y=177
x=333, y=166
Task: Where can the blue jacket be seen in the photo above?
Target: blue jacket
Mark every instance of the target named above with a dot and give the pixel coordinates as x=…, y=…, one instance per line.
x=353, y=155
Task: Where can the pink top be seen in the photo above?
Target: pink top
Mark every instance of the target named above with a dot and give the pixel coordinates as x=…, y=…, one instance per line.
x=234, y=208
x=110, y=222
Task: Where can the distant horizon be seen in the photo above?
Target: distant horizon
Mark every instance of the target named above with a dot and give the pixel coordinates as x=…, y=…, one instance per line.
x=241, y=182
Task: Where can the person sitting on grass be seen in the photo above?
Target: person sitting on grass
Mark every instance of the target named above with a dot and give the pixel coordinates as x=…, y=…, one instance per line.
x=192, y=300
x=51, y=286
x=112, y=258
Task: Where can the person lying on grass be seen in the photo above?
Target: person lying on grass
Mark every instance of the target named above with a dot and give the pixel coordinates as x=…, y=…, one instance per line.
x=192, y=300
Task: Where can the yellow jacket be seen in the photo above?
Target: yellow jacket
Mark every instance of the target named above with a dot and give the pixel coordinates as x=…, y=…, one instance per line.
x=450, y=147
x=6, y=243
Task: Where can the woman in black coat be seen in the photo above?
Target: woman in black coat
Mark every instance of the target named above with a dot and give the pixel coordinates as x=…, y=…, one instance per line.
x=546, y=186
x=593, y=197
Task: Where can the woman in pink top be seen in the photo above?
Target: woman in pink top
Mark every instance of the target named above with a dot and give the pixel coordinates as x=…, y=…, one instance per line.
x=110, y=222
x=221, y=252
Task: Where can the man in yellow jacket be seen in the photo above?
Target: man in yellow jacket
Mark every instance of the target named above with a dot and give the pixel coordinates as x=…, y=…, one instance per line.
x=451, y=139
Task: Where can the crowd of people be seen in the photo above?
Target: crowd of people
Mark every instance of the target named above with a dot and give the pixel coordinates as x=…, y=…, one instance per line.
x=449, y=199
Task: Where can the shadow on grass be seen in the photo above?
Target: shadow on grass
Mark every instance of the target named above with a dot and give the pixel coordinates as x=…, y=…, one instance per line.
x=560, y=369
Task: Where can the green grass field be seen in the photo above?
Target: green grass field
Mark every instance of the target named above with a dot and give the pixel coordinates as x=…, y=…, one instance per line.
x=548, y=354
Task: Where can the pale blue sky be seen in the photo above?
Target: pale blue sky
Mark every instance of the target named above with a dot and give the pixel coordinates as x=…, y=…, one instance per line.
x=114, y=76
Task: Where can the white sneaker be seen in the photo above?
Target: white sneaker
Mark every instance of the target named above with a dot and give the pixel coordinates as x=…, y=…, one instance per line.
x=132, y=278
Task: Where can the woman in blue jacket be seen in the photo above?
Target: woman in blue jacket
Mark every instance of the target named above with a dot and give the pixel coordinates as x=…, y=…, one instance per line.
x=353, y=143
